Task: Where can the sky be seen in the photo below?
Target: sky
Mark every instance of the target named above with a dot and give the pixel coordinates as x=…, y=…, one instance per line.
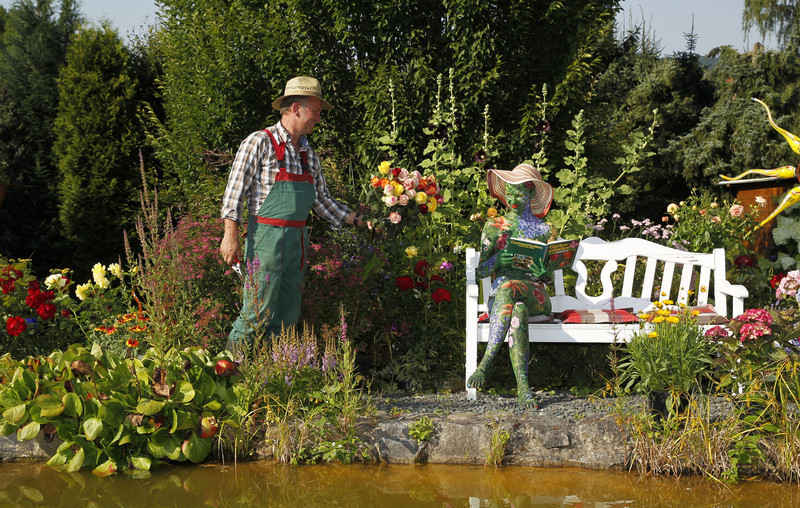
x=716, y=22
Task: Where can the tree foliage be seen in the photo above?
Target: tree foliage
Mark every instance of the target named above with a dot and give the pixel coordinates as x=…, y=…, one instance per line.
x=97, y=144
x=777, y=17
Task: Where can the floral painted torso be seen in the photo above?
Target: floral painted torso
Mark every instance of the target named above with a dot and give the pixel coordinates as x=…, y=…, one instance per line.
x=524, y=285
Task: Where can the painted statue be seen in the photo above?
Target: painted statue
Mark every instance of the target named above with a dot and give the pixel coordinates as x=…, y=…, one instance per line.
x=516, y=294
x=793, y=196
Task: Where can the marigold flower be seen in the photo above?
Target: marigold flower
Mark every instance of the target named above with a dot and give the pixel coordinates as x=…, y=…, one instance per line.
x=653, y=335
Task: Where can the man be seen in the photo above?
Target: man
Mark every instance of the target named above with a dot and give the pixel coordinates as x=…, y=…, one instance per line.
x=280, y=174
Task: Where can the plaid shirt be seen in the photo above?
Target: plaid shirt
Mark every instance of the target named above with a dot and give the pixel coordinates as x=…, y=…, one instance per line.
x=254, y=171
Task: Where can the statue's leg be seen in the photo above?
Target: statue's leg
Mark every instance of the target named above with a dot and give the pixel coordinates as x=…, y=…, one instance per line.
x=499, y=318
x=519, y=349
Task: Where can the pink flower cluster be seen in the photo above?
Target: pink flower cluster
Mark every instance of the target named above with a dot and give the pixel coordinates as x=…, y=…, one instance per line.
x=789, y=285
x=756, y=324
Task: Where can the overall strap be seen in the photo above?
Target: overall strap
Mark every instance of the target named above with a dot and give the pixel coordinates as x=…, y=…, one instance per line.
x=280, y=150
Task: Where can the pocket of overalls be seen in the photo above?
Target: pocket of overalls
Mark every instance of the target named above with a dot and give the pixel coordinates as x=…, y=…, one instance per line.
x=268, y=246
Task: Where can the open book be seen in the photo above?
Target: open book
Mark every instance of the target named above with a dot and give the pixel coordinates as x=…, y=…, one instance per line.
x=560, y=252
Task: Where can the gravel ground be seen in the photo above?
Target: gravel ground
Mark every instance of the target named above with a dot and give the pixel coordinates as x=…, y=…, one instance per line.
x=556, y=404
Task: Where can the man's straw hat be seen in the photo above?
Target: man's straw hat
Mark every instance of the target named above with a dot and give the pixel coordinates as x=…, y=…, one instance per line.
x=302, y=85
x=522, y=174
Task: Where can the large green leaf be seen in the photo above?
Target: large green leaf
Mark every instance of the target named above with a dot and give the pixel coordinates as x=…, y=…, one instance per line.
x=76, y=462
x=163, y=444
x=92, y=428
x=50, y=405
x=141, y=463
x=15, y=414
x=9, y=398
x=28, y=432
x=6, y=429
x=195, y=448
x=184, y=392
x=150, y=407
x=72, y=405
x=107, y=468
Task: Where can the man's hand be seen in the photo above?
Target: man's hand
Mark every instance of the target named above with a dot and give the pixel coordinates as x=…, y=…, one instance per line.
x=229, y=247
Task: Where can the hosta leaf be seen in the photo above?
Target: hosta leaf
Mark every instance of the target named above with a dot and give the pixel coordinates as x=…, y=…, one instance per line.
x=28, y=432
x=15, y=414
x=92, y=428
x=76, y=462
x=107, y=468
x=184, y=392
x=150, y=407
x=141, y=463
x=195, y=448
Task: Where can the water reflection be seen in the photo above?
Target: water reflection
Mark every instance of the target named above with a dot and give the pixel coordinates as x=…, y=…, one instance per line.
x=262, y=484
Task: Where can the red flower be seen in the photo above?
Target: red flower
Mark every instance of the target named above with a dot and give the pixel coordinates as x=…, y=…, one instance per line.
x=36, y=297
x=404, y=283
x=421, y=268
x=501, y=242
x=15, y=326
x=776, y=279
x=66, y=313
x=46, y=311
x=440, y=295
x=423, y=209
x=744, y=260
x=131, y=342
x=396, y=171
x=430, y=190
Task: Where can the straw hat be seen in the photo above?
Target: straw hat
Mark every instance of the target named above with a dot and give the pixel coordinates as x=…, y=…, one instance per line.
x=302, y=85
x=522, y=174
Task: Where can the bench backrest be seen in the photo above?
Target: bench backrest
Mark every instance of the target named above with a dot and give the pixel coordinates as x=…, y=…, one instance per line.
x=700, y=274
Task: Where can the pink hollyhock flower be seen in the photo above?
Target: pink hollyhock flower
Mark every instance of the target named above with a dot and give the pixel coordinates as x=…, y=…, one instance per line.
x=394, y=217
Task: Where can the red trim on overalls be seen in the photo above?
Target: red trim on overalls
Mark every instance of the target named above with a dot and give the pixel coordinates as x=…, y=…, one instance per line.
x=285, y=176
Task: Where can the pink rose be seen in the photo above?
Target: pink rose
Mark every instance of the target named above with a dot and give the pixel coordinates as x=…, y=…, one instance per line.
x=394, y=217
x=403, y=200
x=388, y=189
x=736, y=210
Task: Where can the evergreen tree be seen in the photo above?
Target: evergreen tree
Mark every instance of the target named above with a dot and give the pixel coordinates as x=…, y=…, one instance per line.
x=32, y=52
x=97, y=142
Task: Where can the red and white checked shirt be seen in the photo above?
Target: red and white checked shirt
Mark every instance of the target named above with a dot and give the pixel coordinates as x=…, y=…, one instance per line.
x=254, y=171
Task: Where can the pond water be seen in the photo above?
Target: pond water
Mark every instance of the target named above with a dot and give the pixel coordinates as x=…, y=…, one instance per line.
x=356, y=486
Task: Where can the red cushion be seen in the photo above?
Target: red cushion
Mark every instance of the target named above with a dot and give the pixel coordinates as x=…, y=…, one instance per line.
x=598, y=316
x=539, y=318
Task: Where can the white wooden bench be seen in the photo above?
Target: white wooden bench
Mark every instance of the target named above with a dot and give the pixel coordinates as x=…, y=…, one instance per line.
x=701, y=275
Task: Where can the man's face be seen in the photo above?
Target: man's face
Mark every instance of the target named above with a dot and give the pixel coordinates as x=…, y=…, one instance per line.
x=309, y=115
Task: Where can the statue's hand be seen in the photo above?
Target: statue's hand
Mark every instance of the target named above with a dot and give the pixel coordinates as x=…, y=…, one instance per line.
x=505, y=259
x=542, y=270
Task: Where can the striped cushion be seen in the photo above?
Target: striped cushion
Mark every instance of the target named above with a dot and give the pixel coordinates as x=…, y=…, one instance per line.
x=598, y=316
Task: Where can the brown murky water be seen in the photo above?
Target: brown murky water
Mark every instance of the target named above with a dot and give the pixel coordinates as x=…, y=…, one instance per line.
x=357, y=486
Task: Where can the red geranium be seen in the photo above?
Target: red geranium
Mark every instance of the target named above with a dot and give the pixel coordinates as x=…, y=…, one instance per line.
x=440, y=295
x=421, y=268
x=15, y=326
x=776, y=279
x=46, y=311
x=404, y=283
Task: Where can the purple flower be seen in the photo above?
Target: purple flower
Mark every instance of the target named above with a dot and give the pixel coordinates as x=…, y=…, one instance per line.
x=446, y=266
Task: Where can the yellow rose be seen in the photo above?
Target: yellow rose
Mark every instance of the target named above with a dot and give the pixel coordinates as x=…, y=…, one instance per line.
x=421, y=198
x=411, y=251
x=398, y=188
x=81, y=289
x=384, y=167
x=432, y=204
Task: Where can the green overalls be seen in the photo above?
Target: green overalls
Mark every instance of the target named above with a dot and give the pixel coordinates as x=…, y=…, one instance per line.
x=277, y=241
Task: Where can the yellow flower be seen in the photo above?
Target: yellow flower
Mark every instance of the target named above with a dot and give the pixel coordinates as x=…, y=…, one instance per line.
x=653, y=335
x=663, y=312
x=695, y=313
x=398, y=188
x=644, y=317
x=432, y=204
x=703, y=289
x=659, y=319
x=668, y=302
x=672, y=208
x=411, y=251
x=491, y=212
x=99, y=275
x=421, y=198
x=115, y=269
x=673, y=320
x=384, y=167
x=658, y=305
x=81, y=289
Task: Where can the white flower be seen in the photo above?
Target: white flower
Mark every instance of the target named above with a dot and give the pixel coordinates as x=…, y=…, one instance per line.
x=514, y=323
x=55, y=280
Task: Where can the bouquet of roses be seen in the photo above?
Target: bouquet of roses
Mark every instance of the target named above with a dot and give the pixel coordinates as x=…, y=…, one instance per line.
x=402, y=194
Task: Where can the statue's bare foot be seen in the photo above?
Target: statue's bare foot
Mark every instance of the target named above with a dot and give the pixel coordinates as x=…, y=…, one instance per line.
x=526, y=399
x=477, y=379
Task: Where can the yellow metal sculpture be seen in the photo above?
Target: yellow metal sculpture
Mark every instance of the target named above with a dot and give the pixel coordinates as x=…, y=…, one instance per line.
x=793, y=196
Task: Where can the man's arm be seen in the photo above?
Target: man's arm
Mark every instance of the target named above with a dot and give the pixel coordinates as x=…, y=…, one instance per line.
x=230, y=248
